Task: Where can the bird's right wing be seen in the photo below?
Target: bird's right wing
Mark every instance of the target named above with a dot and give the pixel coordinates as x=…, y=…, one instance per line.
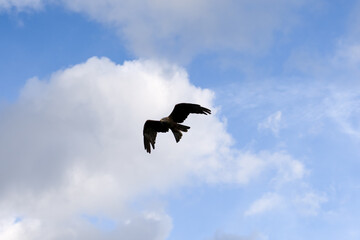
x=151, y=128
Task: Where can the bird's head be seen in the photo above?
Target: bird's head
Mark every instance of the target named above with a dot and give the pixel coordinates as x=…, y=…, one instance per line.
x=165, y=119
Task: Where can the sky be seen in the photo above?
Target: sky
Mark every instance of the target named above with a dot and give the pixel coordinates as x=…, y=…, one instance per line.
x=277, y=159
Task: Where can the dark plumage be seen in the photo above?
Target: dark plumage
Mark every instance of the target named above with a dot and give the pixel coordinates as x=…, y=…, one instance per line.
x=180, y=112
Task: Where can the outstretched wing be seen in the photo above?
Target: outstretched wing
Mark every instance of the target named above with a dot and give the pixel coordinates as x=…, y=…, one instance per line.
x=182, y=110
x=151, y=128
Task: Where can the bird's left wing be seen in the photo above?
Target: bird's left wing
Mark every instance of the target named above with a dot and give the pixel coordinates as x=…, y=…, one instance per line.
x=182, y=110
x=151, y=128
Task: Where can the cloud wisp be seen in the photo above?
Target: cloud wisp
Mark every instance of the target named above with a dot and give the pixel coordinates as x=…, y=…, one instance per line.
x=272, y=122
x=21, y=5
x=266, y=203
x=181, y=30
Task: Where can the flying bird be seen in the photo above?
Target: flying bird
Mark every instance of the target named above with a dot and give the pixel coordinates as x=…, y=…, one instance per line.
x=180, y=112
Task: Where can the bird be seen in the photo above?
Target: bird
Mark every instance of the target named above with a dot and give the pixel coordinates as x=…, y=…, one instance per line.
x=178, y=115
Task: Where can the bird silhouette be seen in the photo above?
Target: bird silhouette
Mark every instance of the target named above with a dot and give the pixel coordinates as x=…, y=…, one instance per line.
x=178, y=115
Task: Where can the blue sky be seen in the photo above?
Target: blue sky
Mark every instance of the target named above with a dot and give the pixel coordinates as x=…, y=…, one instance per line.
x=277, y=159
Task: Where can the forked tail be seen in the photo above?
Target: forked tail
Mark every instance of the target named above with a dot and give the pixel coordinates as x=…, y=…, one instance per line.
x=182, y=128
x=177, y=131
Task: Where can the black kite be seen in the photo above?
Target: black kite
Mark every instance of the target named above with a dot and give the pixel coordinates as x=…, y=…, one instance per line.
x=178, y=115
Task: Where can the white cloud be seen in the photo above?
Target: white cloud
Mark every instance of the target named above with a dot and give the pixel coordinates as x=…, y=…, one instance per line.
x=11, y=230
x=179, y=30
x=72, y=146
x=266, y=203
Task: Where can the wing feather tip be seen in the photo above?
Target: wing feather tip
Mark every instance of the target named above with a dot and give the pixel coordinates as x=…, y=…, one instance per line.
x=205, y=111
